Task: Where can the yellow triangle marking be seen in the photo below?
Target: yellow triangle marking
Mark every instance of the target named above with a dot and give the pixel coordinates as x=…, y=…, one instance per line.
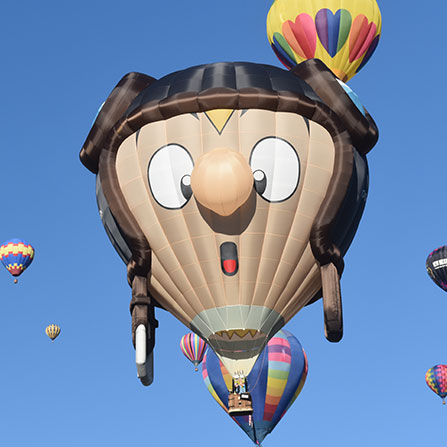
x=219, y=118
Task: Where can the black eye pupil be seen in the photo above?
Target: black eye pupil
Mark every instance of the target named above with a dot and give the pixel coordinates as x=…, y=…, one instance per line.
x=185, y=186
x=260, y=181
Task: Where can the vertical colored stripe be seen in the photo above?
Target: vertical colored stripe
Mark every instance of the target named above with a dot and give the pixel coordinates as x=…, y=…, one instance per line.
x=333, y=32
x=344, y=28
x=321, y=22
x=276, y=382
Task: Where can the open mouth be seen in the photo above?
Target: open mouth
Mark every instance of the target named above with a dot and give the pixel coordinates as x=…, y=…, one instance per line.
x=228, y=258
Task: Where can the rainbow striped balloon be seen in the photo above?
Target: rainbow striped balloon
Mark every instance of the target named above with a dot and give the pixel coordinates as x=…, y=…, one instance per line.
x=16, y=255
x=436, y=379
x=193, y=347
x=275, y=382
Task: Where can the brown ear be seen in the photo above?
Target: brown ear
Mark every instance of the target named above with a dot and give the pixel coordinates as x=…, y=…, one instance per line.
x=362, y=128
x=113, y=109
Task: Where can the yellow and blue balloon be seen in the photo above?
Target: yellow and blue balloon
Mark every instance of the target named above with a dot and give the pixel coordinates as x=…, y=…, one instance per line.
x=342, y=33
x=16, y=255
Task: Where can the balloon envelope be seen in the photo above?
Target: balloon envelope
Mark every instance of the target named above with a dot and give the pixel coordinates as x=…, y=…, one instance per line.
x=341, y=33
x=436, y=266
x=193, y=347
x=53, y=330
x=274, y=383
x=167, y=188
x=16, y=255
x=436, y=379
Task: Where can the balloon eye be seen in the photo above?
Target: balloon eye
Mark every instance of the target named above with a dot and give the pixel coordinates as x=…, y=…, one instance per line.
x=169, y=175
x=276, y=169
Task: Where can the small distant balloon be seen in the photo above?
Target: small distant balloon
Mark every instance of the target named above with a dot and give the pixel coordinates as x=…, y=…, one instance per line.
x=342, y=33
x=436, y=379
x=193, y=347
x=436, y=266
x=53, y=330
x=16, y=255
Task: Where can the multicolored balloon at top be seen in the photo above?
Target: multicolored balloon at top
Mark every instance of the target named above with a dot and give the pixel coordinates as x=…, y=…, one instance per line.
x=436, y=379
x=16, y=255
x=274, y=383
x=341, y=33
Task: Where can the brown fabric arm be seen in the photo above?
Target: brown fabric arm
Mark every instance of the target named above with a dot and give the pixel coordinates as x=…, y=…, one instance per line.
x=333, y=313
x=142, y=311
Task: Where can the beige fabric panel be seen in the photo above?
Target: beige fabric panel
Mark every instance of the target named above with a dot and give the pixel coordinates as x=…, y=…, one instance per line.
x=306, y=271
x=309, y=287
x=160, y=294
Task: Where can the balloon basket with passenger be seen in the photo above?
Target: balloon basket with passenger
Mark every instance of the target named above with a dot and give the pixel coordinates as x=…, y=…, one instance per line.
x=239, y=399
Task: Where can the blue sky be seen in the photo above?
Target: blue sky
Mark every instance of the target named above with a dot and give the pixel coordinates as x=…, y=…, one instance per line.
x=59, y=62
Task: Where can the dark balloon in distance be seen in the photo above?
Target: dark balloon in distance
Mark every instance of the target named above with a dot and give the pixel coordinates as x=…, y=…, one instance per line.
x=436, y=266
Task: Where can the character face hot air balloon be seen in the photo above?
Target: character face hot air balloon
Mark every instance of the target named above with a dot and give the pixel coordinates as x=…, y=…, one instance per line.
x=16, y=255
x=436, y=266
x=232, y=191
x=53, y=331
x=274, y=383
x=193, y=348
x=436, y=379
x=342, y=33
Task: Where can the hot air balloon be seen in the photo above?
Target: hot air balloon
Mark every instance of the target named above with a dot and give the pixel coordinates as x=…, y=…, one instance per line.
x=274, y=383
x=16, y=255
x=436, y=266
x=436, y=379
x=53, y=330
x=341, y=33
x=193, y=347
x=232, y=192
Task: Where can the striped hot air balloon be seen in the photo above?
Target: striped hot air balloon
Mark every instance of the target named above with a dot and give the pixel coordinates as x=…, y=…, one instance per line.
x=274, y=383
x=53, y=330
x=436, y=379
x=193, y=347
x=16, y=255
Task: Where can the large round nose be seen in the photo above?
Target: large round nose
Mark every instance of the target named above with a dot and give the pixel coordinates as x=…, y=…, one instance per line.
x=222, y=181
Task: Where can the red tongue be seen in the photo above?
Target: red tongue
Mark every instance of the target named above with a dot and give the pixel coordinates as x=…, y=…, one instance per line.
x=229, y=265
